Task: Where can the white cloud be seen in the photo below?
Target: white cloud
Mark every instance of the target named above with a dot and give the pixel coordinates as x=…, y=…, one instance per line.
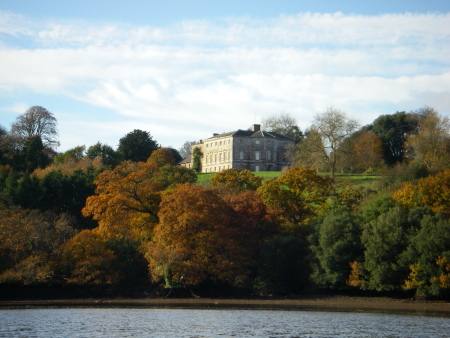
x=190, y=79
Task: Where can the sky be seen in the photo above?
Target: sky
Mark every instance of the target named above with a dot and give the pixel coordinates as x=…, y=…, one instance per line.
x=183, y=70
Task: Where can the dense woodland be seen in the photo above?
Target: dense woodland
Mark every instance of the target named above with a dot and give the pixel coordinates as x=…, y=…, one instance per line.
x=131, y=221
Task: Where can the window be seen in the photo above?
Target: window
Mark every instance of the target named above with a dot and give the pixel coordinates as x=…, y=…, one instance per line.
x=268, y=155
x=241, y=155
x=257, y=155
x=257, y=168
x=257, y=142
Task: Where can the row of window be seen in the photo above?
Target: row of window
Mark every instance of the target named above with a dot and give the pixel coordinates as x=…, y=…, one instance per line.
x=216, y=143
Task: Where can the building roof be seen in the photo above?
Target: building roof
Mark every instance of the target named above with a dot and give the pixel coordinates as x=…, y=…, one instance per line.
x=187, y=159
x=251, y=133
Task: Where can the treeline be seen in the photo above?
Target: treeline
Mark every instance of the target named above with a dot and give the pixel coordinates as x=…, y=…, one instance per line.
x=132, y=219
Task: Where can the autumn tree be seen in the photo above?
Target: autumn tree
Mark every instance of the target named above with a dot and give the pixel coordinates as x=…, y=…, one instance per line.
x=367, y=151
x=27, y=241
x=283, y=124
x=234, y=180
x=86, y=259
x=432, y=192
x=431, y=144
x=196, y=239
x=126, y=200
x=137, y=146
x=36, y=121
x=296, y=197
x=334, y=126
x=161, y=157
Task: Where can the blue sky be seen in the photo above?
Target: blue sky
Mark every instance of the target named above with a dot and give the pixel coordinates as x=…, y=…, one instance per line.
x=183, y=70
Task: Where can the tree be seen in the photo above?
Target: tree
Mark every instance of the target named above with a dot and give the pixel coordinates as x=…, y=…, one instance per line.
x=197, y=159
x=368, y=151
x=108, y=155
x=127, y=200
x=430, y=243
x=161, y=157
x=137, y=146
x=393, y=131
x=335, y=242
x=172, y=175
x=197, y=239
x=36, y=121
x=283, y=124
x=234, y=180
x=432, y=192
x=310, y=153
x=186, y=148
x=296, y=197
x=384, y=241
x=431, y=145
x=34, y=154
x=76, y=154
x=334, y=126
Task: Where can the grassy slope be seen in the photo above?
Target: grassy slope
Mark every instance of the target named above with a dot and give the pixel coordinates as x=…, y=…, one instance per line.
x=358, y=181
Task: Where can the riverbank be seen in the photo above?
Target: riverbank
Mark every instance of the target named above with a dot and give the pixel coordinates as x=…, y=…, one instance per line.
x=332, y=303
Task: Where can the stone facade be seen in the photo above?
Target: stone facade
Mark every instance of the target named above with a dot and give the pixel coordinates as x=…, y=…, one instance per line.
x=251, y=149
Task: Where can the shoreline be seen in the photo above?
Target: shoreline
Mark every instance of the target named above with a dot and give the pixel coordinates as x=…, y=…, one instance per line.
x=333, y=303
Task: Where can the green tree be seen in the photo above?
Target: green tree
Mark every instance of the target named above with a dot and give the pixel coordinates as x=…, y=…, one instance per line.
x=76, y=154
x=137, y=146
x=197, y=159
x=109, y=156
x=335, y=242
x=426, y=246
x=384, y=241
x=34, y=154
x=393, y=131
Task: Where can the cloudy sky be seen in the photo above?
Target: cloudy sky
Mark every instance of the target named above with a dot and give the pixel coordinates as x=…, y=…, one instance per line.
x=183, y=70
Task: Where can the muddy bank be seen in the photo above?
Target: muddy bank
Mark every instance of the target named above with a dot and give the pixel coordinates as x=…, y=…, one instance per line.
x=334, y=303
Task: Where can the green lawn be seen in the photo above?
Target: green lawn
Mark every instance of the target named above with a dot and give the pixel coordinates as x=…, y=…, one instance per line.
x=358, y=181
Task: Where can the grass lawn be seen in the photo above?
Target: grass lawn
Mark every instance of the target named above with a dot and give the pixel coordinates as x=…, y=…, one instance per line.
x=357, y=181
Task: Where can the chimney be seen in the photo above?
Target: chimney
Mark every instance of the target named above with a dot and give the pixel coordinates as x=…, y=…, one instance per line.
x=215, y=134
x=256, y=127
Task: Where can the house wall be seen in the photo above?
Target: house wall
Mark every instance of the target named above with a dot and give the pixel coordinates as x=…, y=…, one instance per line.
x=217, y=154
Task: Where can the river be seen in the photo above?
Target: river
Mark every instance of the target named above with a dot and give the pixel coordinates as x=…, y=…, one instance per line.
x=125, y=322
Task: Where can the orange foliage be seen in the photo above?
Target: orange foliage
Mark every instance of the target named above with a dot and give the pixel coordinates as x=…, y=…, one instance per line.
x=127, y=200
x=432, y=192
x=86, y=260
x=69, y=166
x=297, y=196
x=368, y=151
x=196, y=239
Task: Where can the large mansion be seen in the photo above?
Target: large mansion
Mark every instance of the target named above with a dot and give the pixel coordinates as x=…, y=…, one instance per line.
x=252, y=149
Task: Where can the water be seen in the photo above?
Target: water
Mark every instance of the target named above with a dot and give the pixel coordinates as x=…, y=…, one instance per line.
x=214, y=323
